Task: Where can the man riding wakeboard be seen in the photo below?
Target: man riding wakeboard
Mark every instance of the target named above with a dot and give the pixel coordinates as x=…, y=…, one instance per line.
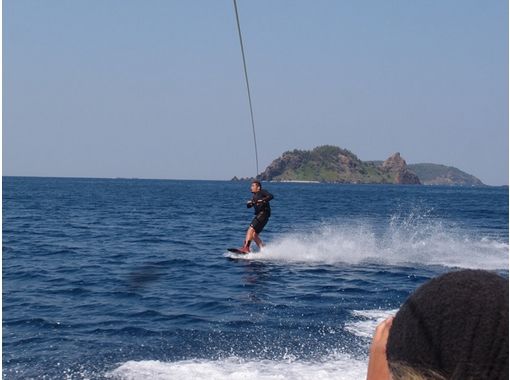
x=260, y=202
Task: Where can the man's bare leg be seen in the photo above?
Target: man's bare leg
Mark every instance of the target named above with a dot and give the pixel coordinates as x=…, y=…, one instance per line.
x=249, y=237
x=257, y=240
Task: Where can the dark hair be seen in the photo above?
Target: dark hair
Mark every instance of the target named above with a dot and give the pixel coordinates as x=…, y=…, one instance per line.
x=257, y=182
x=455, y=325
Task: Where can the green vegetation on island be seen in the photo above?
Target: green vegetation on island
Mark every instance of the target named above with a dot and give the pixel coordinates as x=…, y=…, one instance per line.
x=435, y=174
x=331, y=164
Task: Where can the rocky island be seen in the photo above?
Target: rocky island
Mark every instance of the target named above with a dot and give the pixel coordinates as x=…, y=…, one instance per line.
x=434, y=174
x=331, y=164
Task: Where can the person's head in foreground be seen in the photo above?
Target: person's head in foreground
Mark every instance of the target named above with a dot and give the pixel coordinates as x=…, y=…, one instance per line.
x=454, y=326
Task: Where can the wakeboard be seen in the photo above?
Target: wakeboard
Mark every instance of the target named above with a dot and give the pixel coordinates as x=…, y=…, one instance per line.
x=236, y=250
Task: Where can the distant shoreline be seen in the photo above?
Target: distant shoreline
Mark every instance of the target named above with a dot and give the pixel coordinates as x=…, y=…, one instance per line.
x=226, y=180
x=296, y=181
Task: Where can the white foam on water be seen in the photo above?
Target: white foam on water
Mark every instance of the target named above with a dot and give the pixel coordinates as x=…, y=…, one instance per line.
x=400, y=243
x=338, y=366
x=335, y=366
x=242, y=256
x=366, y=321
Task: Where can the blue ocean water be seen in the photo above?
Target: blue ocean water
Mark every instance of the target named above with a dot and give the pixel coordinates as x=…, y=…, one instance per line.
x=130, y=279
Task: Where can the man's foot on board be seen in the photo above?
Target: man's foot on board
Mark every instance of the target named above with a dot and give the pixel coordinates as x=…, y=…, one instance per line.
x=244, y=250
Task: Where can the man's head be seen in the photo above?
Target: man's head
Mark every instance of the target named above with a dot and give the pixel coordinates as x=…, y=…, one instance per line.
x=256, y=186
x=455, y=325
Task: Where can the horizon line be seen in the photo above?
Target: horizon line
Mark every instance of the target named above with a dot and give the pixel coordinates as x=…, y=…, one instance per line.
x=241, y=179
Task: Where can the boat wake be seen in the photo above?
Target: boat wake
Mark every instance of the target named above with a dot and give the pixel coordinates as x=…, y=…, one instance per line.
x=401, y=243
x=338, y=366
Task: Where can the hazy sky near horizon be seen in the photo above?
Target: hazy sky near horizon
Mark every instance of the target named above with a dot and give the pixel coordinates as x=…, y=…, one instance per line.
x=155, y=89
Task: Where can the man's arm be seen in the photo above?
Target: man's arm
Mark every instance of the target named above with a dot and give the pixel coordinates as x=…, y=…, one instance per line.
x=266, y=196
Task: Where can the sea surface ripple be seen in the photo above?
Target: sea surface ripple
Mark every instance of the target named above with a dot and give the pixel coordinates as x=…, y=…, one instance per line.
x=130, y=279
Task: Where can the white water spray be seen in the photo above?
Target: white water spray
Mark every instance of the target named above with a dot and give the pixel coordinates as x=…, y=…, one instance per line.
x=411, y=241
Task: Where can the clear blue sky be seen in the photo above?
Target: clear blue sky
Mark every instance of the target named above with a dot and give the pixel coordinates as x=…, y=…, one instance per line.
x=155, y=89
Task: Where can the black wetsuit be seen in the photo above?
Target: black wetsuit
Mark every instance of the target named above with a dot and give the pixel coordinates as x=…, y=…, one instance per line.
x=260, y=201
